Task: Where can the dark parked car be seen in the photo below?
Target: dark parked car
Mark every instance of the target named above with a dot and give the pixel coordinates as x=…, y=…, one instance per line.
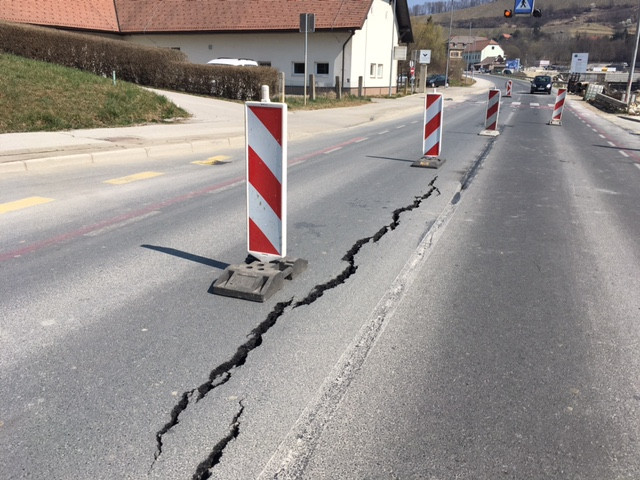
x=541, y=83
x=436, y=81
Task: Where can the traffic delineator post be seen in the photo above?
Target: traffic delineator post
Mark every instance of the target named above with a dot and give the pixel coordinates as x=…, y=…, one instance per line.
x=509, y=88
x=266, y=198
x=556, y=117
x=432, y=132
x=491, y=118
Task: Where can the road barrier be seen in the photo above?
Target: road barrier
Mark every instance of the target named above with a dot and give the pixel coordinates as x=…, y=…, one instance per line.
x=509, y=88
x=266, y=174
x=266, y=151
x=556, y=118
x=491, y=118
x=432, y=133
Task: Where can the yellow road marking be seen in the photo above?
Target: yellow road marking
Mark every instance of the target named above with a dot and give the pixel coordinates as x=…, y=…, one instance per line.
x=133, y=178
x=24, y=203
x=213, y=160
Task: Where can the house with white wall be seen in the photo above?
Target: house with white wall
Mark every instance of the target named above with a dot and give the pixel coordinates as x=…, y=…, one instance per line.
x=353, y=39
x=483, y=53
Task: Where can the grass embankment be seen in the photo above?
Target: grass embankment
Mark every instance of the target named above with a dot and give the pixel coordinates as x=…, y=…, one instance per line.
x=38, y=96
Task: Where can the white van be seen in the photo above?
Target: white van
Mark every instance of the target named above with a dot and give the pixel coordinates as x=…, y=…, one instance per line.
x=234, y=62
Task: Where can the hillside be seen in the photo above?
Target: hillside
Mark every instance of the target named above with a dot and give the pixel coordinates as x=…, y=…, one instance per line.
x=39, y=96
x=603, y=28
x=600, y=17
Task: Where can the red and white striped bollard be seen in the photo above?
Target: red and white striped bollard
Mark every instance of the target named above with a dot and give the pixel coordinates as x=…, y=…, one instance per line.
x=432, y=133
x=493, y=110
x=266, y=154
x=509, y=88
x=556, y=118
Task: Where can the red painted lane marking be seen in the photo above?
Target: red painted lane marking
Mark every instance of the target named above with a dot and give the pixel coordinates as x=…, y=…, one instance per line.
x=65, y=237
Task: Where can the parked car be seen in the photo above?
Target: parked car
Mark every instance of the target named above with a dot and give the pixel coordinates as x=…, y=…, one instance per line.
x=234, y=62
x=541, y=83
x=506, y=71
x=436, y=81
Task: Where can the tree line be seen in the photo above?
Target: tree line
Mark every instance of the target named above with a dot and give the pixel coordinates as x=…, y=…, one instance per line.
x=431, y=8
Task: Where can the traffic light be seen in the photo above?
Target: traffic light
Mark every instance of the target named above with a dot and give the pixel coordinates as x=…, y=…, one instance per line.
x=537, y=12
x=508, y=13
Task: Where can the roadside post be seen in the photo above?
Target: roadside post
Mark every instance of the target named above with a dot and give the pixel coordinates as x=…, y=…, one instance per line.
x=509, y=88
x=267, y=265
x=432, y=132
x=491, y=118
x=556, y=118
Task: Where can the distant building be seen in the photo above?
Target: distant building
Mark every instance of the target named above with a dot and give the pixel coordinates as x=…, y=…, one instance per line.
x=483, y=54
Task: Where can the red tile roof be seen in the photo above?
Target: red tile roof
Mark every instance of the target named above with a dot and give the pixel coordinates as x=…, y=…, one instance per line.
x=99, y=15
x=138, y=16
x=237, y=15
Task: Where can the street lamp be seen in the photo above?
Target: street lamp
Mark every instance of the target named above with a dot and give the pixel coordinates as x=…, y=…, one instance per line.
x=446, y=74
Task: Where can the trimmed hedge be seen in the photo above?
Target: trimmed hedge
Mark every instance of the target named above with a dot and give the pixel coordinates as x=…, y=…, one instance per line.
x=149, y=66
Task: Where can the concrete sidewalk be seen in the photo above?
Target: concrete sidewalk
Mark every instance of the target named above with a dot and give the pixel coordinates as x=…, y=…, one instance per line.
x=215, y=124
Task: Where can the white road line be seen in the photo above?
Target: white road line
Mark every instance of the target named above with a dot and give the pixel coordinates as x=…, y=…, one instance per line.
x=533, y=104
x=400, y=126
x=602, y=136
x=611, y=143
x=335, y=149
x=516, y=104
x=623, y=153
x=383, y=132
x=595, y=130
x=362, y=139
x=637, y=165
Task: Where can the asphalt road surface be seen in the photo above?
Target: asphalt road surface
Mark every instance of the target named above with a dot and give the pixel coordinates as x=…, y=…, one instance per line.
x=478, y=321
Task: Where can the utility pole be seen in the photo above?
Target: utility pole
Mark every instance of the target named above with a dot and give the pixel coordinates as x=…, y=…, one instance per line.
x=633, y=60
x=446, y=74
x=393, y=30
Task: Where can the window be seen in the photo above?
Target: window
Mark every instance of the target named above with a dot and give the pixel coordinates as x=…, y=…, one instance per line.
x=298, y=68
x=376, y=70
x=322, y=69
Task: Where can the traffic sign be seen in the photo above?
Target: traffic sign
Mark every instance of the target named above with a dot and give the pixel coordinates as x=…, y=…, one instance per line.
x=523, y=7
x=425, y=56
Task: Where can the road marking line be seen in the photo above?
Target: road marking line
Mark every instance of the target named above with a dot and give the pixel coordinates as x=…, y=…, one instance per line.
x=623, y=153
x=23, y=203
x=212, y=160
x=400, y=126
x=637, y=165
x=534, y=104
x=331, y=150
x=516, y=104
x=133, y=178
x=602, y=136
x=124, y=223
x=595, y=130
x=383, y=132
x=361, y=139
x=611, y=143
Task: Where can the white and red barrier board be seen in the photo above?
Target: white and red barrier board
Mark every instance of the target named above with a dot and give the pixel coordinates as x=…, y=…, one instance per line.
x=266, y=153
x=432, y=141
x=509, y=88
x=559, y=105
x=493, y=109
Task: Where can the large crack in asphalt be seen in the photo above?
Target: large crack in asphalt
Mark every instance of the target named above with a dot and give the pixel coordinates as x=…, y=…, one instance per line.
x=203, y=472
x=223, y=372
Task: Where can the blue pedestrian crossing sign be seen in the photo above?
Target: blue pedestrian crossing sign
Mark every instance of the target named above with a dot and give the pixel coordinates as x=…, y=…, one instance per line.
x=523, y=7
